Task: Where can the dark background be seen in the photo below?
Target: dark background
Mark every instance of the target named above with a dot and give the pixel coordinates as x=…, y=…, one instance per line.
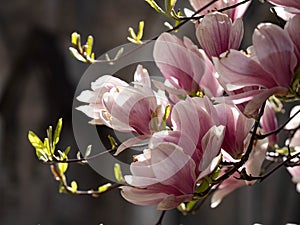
x=38, y=78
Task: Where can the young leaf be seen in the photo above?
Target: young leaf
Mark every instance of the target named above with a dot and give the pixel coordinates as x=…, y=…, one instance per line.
x=169, y=5
x=35, y=140
x=118, y=173
x=88, y=151
x=155, y=6
x=57, y=132
x=112, y=141
x=119, y=53
x=47, y=148
x=104, y=187
x=76, y=54
x=75, y=39
x=74, y=186
x=141, y=30
x=89, y=45
x=62, y=167
x=40, y=150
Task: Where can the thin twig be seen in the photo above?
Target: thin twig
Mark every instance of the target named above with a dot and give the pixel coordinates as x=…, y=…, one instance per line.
x=81, y=160
x=162, y=215
x=262, y=136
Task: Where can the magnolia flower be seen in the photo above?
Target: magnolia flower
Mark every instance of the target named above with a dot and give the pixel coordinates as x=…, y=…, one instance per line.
x=286, y=8
x=191, y=121
x=271, y=46
x=234, y=13
x=122, y=107
x=185, y=66
x=216, y=33
x=167, y=175
x=168, y=172
x=94, y=97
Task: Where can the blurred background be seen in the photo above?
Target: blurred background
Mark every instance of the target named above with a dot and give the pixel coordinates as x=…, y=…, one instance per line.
x=38, y=78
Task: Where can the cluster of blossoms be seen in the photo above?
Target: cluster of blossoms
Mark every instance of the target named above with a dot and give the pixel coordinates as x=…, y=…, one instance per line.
x=213, y=119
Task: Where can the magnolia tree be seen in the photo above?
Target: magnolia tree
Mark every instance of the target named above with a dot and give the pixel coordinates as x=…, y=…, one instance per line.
x=208, y=127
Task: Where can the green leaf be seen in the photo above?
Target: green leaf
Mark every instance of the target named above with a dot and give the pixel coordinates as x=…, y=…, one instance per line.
x=118, y=173
x=155, y=6
x=89, y=45
x=88, y=151
x=119, y=53
x=141, y=30
x=77, y=55
x=40, y=153
x=78, y=155
x=47, y=147
x=67, y=150
x=169, y=5
x=136, y=38
x=62, y=167
x=57, y=132
x=132, y=33
x=75, y=39
x=112, y=141
x=104, y=187
x=74, y=186
x=35, y=140
x=40, y=149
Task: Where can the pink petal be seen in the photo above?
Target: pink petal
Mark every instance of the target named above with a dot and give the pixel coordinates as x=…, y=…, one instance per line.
x=269, y=123
x=292, y=27
x=237, y=70
x=256, y=158
x=259, y=99
x=287, y=3
x=173, y=167
x=236, y=34
x=182, y=65
x=211, y=145
x=172, y=201
x=274, y=47
x=130, y=142
x=141, y=77
x=141, y=196
x=213, y=33
x=226, y=188
x=237, y=129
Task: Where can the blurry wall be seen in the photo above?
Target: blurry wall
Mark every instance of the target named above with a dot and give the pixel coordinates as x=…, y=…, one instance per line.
x=38, y=78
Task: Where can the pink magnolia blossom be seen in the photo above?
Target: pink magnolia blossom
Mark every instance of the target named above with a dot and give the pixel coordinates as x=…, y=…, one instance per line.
x=237, y=126
x=271, y=46
x=167, y=175
x=168, y=172
x=185, y=66
x=191, y=121
x=94, y=97
x=234, y=13
x=114, y=103
x=216, y=33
